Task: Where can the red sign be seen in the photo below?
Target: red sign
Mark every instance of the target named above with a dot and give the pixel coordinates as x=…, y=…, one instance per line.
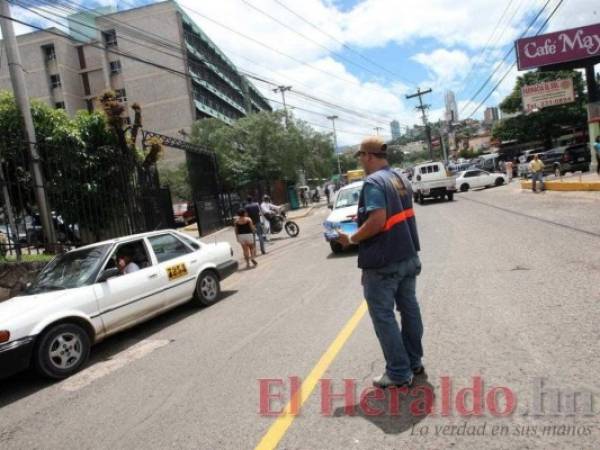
x=560, y=47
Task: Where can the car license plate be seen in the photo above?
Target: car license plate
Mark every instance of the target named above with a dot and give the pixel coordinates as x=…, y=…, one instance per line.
x=176, y=271
x=581, y=158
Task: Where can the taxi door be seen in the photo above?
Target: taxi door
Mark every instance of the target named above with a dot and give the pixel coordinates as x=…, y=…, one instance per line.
x=128, y=299
x=177, y=265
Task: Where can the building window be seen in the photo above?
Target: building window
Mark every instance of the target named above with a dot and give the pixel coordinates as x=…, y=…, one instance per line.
x=127, y=120
x=59, y=105
x=110, y=38
x=89, y=103
x=81, y=56
x=121, y=95
x=49, y=53
x=115, y=67
x=86, y=83
x=55, y=81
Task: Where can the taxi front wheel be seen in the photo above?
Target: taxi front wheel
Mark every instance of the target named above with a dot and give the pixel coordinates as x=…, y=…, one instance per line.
x=61, y=351
x=208, y=288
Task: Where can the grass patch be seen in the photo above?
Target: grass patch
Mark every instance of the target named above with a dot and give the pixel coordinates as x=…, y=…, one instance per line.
x=41, y=257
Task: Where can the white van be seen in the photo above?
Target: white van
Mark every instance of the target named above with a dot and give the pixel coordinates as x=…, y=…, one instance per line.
x=432, y=180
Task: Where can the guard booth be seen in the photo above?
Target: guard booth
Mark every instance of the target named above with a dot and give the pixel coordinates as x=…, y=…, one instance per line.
x=575, y=48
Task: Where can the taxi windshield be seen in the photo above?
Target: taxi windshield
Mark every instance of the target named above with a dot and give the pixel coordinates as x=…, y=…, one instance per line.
x=348, y=197
x=70, y=270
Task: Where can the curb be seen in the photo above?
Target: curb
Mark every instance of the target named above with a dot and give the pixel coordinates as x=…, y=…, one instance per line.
x=566, y=185
x=301, y=216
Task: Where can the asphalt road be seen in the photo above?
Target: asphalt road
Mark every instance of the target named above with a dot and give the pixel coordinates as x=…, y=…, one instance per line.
x=509, y=293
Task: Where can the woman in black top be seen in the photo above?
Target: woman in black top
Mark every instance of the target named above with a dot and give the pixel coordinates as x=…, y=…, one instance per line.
x=244, y=232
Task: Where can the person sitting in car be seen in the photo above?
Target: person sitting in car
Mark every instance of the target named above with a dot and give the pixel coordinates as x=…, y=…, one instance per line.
x=125, y=262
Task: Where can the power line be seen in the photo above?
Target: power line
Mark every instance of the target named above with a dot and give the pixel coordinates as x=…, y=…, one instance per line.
x=508, y=53
x=514, y=63
x=288, y=27
x=480, y=55
x=349, y=110
x=347, y=47
x=273, y=49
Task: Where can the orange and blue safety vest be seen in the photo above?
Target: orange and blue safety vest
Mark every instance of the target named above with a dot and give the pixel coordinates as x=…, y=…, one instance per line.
x=399, y=239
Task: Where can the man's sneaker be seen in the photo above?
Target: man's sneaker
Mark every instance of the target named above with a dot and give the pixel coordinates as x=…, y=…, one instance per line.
x=384, y=382
x=418, y=371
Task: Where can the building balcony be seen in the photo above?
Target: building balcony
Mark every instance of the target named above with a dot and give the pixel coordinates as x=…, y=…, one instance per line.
x=197, y=79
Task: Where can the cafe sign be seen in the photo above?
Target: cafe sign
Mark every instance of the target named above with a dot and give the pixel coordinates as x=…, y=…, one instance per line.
x=561, y=47
x=548, y=93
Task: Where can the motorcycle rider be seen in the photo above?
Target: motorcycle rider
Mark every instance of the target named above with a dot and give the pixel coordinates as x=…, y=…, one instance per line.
x=269, y=211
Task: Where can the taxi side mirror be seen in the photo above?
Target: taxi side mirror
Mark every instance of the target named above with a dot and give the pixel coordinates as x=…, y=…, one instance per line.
x=108, y=273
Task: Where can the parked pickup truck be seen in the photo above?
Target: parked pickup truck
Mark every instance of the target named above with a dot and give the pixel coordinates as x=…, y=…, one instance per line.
x=432, y=180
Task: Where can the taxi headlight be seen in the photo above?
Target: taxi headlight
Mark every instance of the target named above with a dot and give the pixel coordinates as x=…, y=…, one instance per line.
x=4, y=336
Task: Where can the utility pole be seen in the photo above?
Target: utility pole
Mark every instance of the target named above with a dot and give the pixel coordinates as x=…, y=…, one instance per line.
x=423, y=108
x=17, y=78
x=377, y=130
x=332, y=118
x=282, y=89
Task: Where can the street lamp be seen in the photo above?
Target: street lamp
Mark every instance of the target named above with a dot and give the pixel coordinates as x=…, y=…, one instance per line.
x=332, y=118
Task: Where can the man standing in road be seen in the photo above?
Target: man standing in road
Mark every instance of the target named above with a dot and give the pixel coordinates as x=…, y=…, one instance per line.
x=536, y=166
x=388, y=246
x=253, y=209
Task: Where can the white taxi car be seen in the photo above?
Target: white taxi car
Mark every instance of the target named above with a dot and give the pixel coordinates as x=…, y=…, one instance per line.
x=81, y=297
x=344, y=212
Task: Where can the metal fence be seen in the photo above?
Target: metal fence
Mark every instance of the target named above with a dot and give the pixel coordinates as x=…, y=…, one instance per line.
x=93, y=194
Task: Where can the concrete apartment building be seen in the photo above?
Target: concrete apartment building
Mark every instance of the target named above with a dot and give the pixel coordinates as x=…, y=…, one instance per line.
x=71, y=70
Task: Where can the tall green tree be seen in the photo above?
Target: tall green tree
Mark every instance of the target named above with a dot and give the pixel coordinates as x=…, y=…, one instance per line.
x=260, y=148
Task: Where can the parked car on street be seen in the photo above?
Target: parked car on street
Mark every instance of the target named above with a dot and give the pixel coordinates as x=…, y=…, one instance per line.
x=344, y=210
x=432, y=180
x=81, y=297
x=567, y=158
x=476, y=178
x=184, y=213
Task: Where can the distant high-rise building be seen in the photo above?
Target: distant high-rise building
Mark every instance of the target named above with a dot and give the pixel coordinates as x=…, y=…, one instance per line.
x=395, y=129
x=491, y=115
x=451, y=108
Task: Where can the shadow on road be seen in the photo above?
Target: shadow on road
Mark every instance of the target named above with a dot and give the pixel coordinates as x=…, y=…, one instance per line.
x=395, y=411
x=26, y=383
x=348, y=253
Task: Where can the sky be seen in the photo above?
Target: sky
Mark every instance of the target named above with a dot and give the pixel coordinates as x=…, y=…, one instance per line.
x=366, y=56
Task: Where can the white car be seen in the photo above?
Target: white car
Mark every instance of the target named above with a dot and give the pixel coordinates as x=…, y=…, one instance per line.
x=476, y=178
x=81, y=297
x=344, y=208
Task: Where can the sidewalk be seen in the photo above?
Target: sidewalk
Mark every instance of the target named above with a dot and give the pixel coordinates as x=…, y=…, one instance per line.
x=192, y=229
x=572, y=182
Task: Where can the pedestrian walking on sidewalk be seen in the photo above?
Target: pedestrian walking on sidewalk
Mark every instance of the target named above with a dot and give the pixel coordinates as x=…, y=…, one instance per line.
x=244, y=232
x=597, y=149
x=388, y=246
x=253, y=209
x=509, y=170
x=536, y=166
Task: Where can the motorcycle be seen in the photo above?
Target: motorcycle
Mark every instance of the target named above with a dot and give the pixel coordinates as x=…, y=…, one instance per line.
x=279, y=222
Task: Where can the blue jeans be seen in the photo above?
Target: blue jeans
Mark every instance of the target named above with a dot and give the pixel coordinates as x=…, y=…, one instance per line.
x=537, y=176
x=395, y=285
x=261, y=237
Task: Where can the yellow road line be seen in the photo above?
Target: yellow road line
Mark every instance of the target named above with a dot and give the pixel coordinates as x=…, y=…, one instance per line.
x=278, y=429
